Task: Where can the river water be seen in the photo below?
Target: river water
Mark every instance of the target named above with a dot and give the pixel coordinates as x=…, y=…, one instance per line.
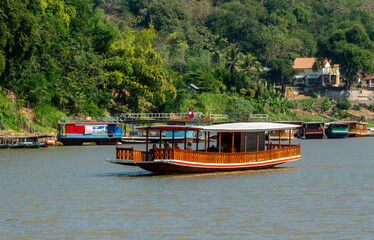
x=73, y=193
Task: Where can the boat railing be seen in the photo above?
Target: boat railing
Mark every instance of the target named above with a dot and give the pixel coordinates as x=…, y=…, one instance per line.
x=275, y=152
x=136, y=156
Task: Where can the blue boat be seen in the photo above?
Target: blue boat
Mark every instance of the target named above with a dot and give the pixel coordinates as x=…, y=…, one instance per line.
x=102, y=131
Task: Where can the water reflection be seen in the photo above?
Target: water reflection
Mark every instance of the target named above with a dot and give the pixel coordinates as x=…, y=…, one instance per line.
x=143, y=173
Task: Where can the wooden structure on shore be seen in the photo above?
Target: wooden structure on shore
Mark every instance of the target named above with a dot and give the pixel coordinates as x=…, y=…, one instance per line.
x=240, y=146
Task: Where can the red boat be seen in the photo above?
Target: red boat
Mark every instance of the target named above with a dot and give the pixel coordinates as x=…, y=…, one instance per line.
x=239, y=146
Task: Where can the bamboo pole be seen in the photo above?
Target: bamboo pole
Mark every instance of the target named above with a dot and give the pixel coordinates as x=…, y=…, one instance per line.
x=279, y=145
x=290, y=136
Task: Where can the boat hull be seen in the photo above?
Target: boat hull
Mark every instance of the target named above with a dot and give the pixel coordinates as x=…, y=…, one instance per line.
x=80, y=141
x=24, y=145
x=314, y=135
x=177, y=166
x=337, y=135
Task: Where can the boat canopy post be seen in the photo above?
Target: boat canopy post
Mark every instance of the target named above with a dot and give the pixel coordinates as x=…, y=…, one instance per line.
x=197, y=140
x=257, y=141
x=172, y=141
x=205, y=142
x=146, y=144
x=219, y=142
x=208, y=139
x=290, y=137
x=185, y=138
x=245, y=141
x=232, y=141
x=268, y=140
x=160, y=137
x=279, y=145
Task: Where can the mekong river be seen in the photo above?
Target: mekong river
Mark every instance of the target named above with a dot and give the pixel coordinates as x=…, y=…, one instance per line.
x=73, y=193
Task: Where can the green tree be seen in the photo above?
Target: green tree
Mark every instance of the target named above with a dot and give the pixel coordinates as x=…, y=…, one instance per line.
x=135, y=72
x=351, y=47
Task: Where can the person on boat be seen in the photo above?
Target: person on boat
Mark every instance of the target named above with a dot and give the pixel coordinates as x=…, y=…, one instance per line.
x=166, y=145
x=175, y=145
x=189, y=146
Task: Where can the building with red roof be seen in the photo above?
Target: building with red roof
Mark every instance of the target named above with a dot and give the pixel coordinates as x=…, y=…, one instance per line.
x=315, y=72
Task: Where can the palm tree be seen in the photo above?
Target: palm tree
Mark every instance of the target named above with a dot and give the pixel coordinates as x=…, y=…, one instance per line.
x=251, y=67
x=233, y=58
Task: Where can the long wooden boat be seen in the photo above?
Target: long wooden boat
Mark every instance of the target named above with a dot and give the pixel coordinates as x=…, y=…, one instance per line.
x=240, y=146
x=313, y=130
x=285, y=133
x=357, y=129
x=337, y=129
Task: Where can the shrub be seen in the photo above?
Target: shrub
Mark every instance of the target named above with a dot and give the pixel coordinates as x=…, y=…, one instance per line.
x=314, y=95
x=343, y=104
x=357, y=107
x=325, y=104
x=47, y=115
x=371, y=107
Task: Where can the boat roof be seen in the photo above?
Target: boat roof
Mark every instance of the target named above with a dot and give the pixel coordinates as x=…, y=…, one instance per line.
x=62, y=123
x=336, y=123
x=355, y=122
x=229, y=127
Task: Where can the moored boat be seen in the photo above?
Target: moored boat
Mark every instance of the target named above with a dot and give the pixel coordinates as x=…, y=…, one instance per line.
x=102, y=131
x=285, y=134
x=313, y=130
x=357, y=129
x=337, y=129
x=3, y=146
x=240, y=146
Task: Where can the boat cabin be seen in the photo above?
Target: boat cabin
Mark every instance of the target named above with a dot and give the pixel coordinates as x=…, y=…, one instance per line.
x=357, y=129
x=101, y=133
x=313, y=130
x=238, y=146
x=337, y=129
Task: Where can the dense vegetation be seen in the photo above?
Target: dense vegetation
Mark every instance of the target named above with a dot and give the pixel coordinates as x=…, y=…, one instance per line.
x=97, y=57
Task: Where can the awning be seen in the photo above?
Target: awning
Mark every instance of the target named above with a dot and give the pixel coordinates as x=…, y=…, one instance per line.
x=300, y=77
x=312, y=77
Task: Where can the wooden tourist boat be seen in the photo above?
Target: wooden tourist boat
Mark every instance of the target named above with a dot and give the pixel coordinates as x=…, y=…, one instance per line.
x=357, y=129
x=285, y=133
x=240, y=146
x=337, y=130
x=313, y=130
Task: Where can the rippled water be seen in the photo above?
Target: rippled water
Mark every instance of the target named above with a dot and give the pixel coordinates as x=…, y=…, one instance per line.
x=73, y=193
